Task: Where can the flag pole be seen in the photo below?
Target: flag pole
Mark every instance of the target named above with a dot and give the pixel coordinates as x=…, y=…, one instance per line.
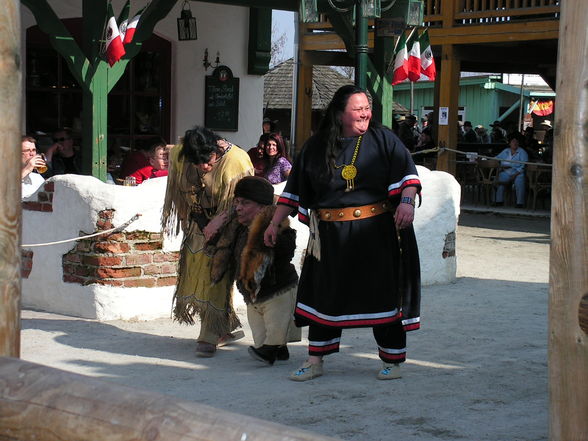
x=521, y=98
x=412, y=98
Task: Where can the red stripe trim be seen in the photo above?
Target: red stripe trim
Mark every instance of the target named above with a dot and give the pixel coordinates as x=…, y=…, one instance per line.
x=412, y=327
x=327, y=348
x=304, y=219
x=393, y=357
x=289, y=202
x=410, y=182
x=348, y=323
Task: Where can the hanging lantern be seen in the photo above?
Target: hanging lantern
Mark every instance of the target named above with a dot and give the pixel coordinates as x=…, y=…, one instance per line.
x=187, y=24
x=309, y=11
x=371, y=8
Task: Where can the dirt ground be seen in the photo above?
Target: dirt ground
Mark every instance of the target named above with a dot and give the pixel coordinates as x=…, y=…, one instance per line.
x=477, y=369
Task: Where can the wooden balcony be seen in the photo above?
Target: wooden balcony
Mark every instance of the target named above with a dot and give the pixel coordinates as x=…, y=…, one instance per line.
x=462, y=22
x=448, y=13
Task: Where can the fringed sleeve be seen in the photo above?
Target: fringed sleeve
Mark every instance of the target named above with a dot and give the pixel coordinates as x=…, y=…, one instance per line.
x=234, y=165
x=176, y=208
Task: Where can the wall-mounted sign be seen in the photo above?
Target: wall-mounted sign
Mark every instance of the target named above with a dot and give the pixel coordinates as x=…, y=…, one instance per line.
x=221, y=100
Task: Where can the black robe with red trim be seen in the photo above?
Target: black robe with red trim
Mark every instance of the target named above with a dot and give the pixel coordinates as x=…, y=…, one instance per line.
x=364, y=276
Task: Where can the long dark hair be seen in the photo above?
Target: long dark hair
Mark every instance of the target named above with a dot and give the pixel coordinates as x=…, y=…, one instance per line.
x=199, y=144
x=281, y=147
x=330, y=129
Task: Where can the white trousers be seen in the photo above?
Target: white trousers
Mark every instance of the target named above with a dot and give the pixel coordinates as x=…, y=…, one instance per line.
x=271, y=320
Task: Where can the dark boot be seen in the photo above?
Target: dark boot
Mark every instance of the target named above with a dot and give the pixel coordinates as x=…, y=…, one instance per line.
x=282, y=353
x=266, y=354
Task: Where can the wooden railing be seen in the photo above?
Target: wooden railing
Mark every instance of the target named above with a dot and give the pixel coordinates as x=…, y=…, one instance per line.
x=475, y=12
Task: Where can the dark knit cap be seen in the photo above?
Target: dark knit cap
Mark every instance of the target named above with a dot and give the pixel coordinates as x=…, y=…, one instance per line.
x=256, y=189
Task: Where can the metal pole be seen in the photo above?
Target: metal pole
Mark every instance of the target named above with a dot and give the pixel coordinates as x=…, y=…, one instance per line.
x=521, y=103
x=361, y=47
x=293, y=121
x=412, y=98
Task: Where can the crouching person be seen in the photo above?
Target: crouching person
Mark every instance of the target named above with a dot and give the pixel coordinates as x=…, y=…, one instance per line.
x=265, y=276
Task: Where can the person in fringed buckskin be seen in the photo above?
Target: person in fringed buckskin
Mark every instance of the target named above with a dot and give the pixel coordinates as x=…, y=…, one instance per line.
x=204, y=170
x=265, y=275
x=354, y=183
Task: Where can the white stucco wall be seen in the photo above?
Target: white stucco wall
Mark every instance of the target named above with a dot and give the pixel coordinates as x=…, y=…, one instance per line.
x=78, y=199
x=76, y=203
x=221, y=28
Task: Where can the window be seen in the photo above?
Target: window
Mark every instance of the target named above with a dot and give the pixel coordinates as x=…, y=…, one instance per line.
x=138, y=106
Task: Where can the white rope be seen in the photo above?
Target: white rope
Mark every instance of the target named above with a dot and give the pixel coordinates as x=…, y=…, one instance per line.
x=476, y=155
x=112, y=230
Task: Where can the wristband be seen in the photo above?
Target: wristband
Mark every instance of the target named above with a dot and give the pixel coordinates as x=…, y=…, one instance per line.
x=407, y=200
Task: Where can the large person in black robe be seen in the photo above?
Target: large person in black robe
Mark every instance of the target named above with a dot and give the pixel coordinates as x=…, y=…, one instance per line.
x=354, y=183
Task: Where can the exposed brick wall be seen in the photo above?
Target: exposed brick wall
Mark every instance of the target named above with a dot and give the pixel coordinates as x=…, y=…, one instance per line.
x=26, y=263
x=44, y=200
x=133, y=259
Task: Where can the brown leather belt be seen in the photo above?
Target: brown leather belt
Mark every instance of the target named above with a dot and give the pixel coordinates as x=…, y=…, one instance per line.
x=353, y=213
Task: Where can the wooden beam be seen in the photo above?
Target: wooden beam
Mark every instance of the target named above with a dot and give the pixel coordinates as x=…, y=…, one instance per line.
x=343, y=26
x=328, y=41
x=38, y=403
x=447, y=95
x=329, y=58
x=495, y=33
x=568, y=278
x=282, y=5
x=10, y=206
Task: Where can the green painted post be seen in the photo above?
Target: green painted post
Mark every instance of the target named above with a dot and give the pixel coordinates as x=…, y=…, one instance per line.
x=95, y=105
x=93, y=74
x=379, y=80
x=361, y=47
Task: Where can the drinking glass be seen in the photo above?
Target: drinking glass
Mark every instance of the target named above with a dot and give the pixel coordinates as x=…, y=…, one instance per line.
x=42, y=168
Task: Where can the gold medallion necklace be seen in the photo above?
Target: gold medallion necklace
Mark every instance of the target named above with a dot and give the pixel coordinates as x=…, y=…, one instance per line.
x=349, y=171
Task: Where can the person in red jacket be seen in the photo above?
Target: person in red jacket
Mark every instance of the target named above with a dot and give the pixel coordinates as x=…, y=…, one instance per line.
x=158, y=164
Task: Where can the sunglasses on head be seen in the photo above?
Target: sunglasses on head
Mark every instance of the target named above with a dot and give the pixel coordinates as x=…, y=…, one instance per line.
x=61, y=139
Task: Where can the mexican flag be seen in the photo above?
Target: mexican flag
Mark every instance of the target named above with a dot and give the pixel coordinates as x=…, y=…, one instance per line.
x=113, y=48
x=414, y=58
x=400, y=62
x=427, y=60
x=123, y=19
x=132, y=27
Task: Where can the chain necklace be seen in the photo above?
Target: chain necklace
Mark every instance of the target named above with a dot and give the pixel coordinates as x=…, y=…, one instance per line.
x=349, y=171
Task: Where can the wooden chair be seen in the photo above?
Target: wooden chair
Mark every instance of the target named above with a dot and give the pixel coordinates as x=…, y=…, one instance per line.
x=539, y=181
x=466, y=175
x=486, y=174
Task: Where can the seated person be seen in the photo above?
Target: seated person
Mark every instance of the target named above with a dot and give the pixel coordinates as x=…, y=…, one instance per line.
x=158, y=164
x=265, y=276
x=31, y=163
x=62, y=156
x=277, y=165
x=512, y=173
x=256, y=154
x=139, y=157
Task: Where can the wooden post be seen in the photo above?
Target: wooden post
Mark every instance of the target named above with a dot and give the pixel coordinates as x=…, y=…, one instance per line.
x=10, y=211
x=38, y=403
x=568, y=278
x=447, y=95
x=304, y=97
